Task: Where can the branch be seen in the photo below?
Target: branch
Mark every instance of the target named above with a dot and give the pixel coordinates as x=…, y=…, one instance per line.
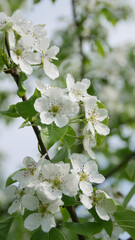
x=121, y=165
x=80, y=38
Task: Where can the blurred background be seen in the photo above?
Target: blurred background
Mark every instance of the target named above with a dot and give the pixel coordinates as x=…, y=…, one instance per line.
x=97, y=41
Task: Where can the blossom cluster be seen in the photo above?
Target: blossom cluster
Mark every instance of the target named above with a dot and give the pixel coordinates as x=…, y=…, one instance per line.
x=29, y=44
x=42, y=185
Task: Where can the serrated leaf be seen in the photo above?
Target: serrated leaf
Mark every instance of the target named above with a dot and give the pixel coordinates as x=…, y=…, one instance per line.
x=26, y=109
x=56, y=234
x=85, y=229
x=52, y=134
x=11, y=112
x=40, y=235
x=129, y=196
x=5, y=225
x=126, y=220
x=62, y=155
x=107, y=225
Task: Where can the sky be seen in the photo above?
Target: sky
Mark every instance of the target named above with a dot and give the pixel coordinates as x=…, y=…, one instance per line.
x=17, y=143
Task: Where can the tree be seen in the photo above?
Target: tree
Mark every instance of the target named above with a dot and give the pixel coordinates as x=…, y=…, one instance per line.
x=71, y=115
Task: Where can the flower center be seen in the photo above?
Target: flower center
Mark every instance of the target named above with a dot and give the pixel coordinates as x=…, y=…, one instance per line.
x=56, y=183
x=54, y=109
x=43, y=209
x=18, y=51
x=83, y=177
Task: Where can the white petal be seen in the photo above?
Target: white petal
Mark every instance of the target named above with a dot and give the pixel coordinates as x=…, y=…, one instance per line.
x=47, y=223
x=102, y=129
x=14, y=57
x=77, y=161
x=102, y=114
x=33, y=221
x=25, y=67
x=30, y=202
x=91, y=128
x=61, y=120
x=70, y=185
x=86, y=201
x=11, y=192
x=44, y=44
x=102, y=213
x=46, y=117
x=11, y=38
x=69, y=81
x=41, y=105
x=54, y=207
x=86, y=82
x=15, y=205
x=29, y=162
x=86, y=188
x=50, y=69
x=52, y=52
x=91, y=103
x=32, y=58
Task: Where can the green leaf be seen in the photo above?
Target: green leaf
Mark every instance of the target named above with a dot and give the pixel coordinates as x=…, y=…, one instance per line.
x=85, y=229
x=36, y=1
x=40, y=235
x=65, y=214
x=126, y=220
x=11, y=112
x=62, y=155
x=68, y=201
x=131, y=170
x=55, y=234
x=52, y=134
x=107, y=225
x=129, y=196
x=22, y=77
x=69, y=137
x=21, y=90
x=100, y=48
x=26, y=108
x=5, y=227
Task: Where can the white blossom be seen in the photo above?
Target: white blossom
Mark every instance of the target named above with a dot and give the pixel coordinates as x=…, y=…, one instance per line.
x=55, y=108
x=104, y=205
x=56, y=180
x=44, y=217
x=78, y=90
x=5, y=22
x=87, y=172
x=95, y=116
x=22, y=55
x=89, y=142
x=16, y=195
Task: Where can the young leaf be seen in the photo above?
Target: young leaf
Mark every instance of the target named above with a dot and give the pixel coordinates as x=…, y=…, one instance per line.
x=131, y=170
x=52, y=134
x=5, y=225
x=56, y=234
x=26, y=108
x=68, y=201
x=40, y=235
x=126, y=220
x=85, y=229
x=107, y=225
x=11, y=112
x=129, y=196
x=62, y=155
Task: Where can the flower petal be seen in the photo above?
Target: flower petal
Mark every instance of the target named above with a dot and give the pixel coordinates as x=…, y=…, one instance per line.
x=14, y=206
x=50, y=69
x=30, y=202
x=47, y=222
x=102, y=129
x=86, y=201
x=86, y=188
x=102, y=213
x=61, y=120
x=33, y=221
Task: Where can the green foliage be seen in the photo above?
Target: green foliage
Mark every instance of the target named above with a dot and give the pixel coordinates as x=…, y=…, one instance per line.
x=107, y=225
x=68, y=201
x=126, y=220
x=62, y=155
x=52, y=134
x=26, y=109
x=11, y=112
x=69, y=137
x=131, y=170
x=5, y=226
x=85, y=229
x=129, y=196
x=65, y=214
x=52, y=235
